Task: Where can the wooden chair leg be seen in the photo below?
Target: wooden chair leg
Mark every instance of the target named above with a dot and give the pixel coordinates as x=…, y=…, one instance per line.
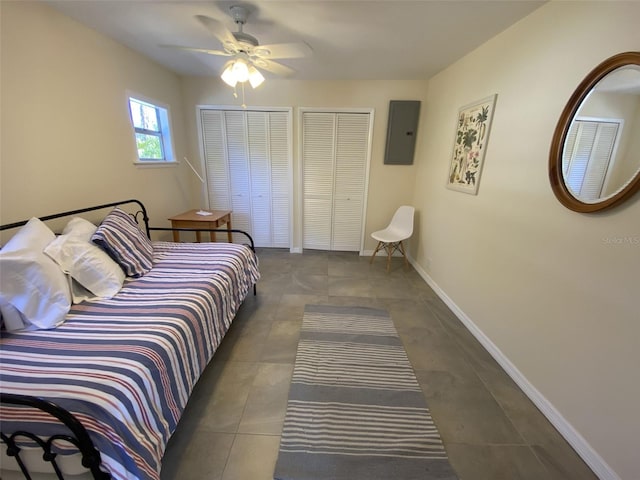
x=375, y=252
x=389, y=247
x=406, y=262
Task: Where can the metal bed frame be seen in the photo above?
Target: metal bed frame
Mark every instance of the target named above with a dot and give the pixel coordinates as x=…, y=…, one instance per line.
x=79, y=437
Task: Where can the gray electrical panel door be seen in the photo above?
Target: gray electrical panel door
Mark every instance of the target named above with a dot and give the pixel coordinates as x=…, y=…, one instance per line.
x=401, y=131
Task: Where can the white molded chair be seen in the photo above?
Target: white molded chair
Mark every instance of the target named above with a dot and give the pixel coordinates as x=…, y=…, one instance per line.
x=390, y=239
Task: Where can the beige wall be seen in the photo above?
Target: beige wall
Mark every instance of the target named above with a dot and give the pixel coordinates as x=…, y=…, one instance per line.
x=552, y=292
x=66, y=137
x=389, y=185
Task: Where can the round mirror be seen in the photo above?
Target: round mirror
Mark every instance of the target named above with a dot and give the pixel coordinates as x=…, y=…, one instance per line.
x=594, y=161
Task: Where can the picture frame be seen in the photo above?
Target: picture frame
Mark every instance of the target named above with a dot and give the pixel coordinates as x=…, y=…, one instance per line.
x=473, y=126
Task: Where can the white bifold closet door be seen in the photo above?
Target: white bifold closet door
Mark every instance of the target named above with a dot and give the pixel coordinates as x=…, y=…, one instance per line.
x=588, y=152
x=335, y=155
x=247, y=161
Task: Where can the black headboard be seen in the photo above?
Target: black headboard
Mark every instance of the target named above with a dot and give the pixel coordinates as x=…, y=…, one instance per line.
x=142, y=211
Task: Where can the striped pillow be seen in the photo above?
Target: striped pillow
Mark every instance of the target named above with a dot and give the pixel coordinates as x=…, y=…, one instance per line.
x=120, y=237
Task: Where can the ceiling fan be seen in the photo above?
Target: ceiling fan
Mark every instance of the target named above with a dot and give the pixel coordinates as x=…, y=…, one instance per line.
x=248, y=55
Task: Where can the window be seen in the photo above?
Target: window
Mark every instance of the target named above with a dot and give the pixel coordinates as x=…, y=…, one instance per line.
x=152, y=133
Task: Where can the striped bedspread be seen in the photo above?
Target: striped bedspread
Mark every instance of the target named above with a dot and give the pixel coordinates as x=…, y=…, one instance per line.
x=125, y=367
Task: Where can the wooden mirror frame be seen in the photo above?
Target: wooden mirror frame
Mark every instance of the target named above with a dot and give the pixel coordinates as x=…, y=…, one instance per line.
x=556, y=177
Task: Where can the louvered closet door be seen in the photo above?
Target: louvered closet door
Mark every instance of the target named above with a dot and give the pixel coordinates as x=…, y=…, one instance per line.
x=280, y=179
x=238, y=160
x=247, y=158
x=260, y=169
x=335, y=154
x=352, y=134
x=217, y=172
x=318, y=152
x=587, y=156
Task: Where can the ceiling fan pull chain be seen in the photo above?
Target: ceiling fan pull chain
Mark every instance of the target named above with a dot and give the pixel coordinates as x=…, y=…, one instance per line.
x=244, y=105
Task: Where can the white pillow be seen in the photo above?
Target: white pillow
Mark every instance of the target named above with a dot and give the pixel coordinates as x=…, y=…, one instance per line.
x=87, y=263
x=31, y=282
x=81, y=228
x=78, y=293
x=13, y=320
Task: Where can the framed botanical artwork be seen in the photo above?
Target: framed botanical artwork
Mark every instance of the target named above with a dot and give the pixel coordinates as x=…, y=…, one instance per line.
x=470, y=144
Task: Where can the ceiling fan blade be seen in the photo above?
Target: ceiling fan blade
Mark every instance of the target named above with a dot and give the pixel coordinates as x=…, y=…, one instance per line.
x=273, y=67
x=201, y=50
x=283, y=50
x=218, y=30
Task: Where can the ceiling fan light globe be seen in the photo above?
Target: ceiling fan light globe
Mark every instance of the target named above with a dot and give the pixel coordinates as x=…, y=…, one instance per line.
x=255, y=77
x=229, y=77
x=241, y=71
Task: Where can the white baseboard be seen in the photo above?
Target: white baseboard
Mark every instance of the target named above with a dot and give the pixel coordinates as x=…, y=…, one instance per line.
x=570, y=434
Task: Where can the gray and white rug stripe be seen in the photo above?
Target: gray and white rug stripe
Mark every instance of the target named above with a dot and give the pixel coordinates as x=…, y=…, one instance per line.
x=351, y=429
x=353, y=365
x=319, y=322
x=355, y=408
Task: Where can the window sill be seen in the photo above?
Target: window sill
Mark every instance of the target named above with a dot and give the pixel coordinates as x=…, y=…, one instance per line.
x=152, y=164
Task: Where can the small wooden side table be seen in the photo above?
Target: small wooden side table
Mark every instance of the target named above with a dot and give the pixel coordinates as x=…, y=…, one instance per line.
x=191, y=219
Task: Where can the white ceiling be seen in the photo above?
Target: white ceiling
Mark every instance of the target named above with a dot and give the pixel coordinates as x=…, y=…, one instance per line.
x=373, y=40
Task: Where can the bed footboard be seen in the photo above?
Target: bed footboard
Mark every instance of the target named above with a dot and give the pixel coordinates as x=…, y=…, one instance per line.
x=78, y=437
x=233, y=230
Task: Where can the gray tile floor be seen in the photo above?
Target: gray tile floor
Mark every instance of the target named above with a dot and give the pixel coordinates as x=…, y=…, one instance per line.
x=231, y=427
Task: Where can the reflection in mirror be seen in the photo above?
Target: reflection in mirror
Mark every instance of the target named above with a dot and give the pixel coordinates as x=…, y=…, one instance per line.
x=602, y=149
x=594, y=161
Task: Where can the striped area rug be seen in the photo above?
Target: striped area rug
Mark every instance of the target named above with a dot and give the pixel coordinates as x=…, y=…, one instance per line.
x=355, y=410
